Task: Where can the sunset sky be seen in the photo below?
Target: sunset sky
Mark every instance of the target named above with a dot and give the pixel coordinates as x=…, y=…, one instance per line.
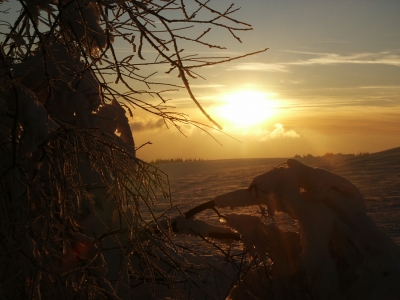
x=330, y=82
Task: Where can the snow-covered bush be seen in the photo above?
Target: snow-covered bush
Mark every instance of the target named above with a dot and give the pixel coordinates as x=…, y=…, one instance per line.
x=337, y=252
x=75, y=201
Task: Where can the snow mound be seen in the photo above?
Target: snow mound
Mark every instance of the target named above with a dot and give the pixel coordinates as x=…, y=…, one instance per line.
x=337, y=253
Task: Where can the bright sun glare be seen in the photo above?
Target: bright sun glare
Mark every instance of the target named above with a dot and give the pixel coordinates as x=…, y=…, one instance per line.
x=247, y=108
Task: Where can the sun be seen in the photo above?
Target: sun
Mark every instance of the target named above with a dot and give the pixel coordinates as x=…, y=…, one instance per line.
x=246, y=108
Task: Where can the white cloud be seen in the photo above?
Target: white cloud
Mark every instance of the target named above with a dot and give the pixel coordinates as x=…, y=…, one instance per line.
x=379, y=58
x=142, y=125
x=206, y=86
x=258, y=66
x=383, y=58
x=380, y=87
x=279, y=131
x=291, y=81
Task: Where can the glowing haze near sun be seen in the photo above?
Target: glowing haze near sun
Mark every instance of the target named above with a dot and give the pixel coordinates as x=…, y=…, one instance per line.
x=246, y=108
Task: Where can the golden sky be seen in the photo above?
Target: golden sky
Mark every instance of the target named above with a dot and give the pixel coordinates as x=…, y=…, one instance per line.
x=330, y=82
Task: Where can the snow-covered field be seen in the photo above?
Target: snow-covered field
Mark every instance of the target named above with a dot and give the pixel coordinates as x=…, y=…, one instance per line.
x=309, y=231
x=377, y=176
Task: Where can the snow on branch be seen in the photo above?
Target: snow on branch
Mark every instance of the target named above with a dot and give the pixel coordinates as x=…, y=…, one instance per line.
x=76, y=204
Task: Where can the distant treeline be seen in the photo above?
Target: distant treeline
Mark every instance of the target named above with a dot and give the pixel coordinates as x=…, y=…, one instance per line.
x=330, y=154
x=178, y=160
x=173, y=160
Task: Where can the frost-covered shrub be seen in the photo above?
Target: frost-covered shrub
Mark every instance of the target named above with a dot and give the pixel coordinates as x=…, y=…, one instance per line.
x=75, y=201
x=337, y=252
